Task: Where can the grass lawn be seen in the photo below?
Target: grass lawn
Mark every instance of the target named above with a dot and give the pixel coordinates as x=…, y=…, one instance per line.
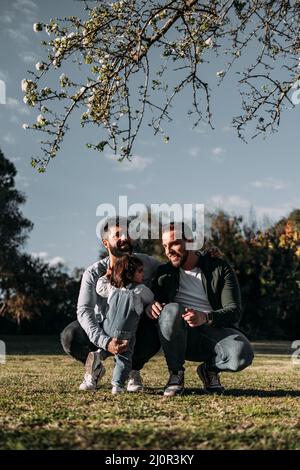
x=42, y=408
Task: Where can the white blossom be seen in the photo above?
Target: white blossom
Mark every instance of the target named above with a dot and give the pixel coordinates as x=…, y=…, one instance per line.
x=25, y=126
x=25, y=100
x=24, y=85
x=40, y=66
x=220, y=74
x=41, y=120
x=37, y=27
x=208, y=42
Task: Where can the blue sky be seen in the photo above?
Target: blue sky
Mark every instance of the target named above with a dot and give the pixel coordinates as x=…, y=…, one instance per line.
x=197, y=166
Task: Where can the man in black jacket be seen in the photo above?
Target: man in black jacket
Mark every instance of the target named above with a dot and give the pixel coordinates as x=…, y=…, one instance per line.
x=197, y=308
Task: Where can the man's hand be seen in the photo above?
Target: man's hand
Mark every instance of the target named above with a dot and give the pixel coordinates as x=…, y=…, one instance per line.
x=117, y=346
x=153, y=310
x=194, y=318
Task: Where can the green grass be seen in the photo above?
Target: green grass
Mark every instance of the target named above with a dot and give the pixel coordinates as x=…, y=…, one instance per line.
x=42, y=408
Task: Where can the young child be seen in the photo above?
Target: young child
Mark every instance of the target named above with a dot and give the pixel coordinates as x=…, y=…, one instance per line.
x=126, y=298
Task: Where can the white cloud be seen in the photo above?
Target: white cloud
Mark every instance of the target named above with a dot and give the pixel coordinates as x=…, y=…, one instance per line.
x=217, y=153
x=44, y=256
x=9, y=139
x=228, y=203
x=26, y=7
x=15, y=159
x=194, y=151
x=41, y=255
x=29, y=57
x=129, y=186
x=7, y=17
x=22, y=180
x=270, y=183
x=17, y=36
x=137, y=163
x=16, y=105
x=278, y=212
x=56, y=261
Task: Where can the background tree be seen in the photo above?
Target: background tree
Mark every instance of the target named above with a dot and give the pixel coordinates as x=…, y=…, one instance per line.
x=34, y=296
x=135, y=57
x=14, y=227
x=268, y=268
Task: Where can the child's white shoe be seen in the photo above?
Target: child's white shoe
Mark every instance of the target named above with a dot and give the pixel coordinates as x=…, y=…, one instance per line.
x=116, y=389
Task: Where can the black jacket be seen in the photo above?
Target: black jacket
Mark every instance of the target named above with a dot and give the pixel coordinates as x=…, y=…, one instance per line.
x=219, y=282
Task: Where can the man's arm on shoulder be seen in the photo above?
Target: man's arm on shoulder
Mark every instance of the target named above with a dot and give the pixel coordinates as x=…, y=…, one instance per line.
x=87, y=301
x=157, y=284
x=230, y=313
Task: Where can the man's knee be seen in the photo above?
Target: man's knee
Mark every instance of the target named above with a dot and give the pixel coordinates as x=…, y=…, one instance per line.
x=241, y=357
x=170, y=320
x=67, y=337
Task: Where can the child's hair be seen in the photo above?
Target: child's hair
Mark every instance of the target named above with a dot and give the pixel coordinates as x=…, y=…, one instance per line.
x=123, y=270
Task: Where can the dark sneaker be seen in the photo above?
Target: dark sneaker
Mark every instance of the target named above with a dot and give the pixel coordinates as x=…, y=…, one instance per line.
x=94, y=371
x=175, y=385
x=210, y=379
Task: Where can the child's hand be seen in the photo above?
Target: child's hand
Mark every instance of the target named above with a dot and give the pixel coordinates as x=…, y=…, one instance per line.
x=117, y=346
x=108, y=272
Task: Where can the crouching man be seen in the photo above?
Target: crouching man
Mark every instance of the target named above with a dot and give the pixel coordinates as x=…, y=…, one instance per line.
x=197, y=308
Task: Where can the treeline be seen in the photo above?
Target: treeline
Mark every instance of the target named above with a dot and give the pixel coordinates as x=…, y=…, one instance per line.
x=38, y=298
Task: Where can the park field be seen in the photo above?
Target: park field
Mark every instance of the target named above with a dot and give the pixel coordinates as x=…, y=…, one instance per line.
x=42, y=408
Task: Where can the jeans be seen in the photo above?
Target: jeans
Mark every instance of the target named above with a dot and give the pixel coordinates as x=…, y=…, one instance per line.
x=222, y=349
x=76, y=343
x=121, y=322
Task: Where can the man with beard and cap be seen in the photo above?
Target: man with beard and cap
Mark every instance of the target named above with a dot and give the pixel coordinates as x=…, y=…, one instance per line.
x=82, y=338
x=197, y=308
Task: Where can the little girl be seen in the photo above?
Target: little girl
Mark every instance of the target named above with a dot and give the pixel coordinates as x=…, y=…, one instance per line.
x=126, y=298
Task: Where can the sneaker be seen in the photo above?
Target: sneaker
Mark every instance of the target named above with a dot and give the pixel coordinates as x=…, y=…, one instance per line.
x=135, y=382
x=116, y=389
x=175, y=385
x=210, y=379
x=94, y=371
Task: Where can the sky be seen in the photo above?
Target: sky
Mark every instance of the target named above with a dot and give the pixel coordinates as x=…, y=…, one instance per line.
x=197, y=166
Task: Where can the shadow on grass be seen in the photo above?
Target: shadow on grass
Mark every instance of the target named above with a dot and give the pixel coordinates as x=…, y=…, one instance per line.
x=247, y=392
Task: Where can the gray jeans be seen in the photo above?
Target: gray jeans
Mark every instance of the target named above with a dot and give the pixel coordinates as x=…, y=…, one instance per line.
x=223, y=349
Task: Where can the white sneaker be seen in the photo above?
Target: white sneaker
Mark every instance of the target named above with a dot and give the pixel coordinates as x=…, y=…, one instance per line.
x=135, y=382
x=116, y=389
x=175, y=385
x=94, y=371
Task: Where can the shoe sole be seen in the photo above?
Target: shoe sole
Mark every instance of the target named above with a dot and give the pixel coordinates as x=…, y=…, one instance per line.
x=141, y=389
x=173, y=393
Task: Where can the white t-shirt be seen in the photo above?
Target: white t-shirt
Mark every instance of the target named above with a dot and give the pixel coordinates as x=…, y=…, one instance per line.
x=191, y=293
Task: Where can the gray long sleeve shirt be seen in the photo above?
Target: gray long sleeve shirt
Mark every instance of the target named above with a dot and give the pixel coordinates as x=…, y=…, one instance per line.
x=92, y=308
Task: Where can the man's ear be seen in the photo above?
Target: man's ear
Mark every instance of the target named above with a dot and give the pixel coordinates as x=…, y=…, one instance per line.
x=105, y=243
